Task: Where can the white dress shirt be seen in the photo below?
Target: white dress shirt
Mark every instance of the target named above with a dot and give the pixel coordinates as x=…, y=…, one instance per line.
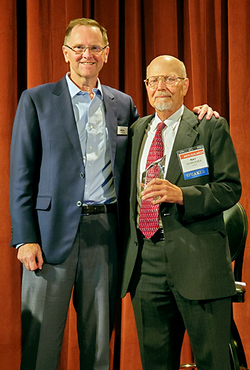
x=168, y=137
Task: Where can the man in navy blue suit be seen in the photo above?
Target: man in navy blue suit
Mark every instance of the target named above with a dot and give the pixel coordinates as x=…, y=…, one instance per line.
x=67, y=158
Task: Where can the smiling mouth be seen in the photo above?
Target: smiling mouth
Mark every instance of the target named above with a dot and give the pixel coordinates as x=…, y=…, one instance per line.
x=88, y=63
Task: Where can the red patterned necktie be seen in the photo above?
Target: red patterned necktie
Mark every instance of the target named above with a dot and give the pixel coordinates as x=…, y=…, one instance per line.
x=149, y=214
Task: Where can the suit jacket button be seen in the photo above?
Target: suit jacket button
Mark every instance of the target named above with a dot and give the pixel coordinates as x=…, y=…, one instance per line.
x=82, y=175
x=79, y=203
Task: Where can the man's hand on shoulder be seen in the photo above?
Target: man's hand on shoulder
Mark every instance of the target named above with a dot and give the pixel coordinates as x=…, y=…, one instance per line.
x=201, y=110
x=30, y=255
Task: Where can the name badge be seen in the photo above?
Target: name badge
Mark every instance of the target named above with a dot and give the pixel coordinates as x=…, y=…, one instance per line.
x=122, y=130
x=193, y=162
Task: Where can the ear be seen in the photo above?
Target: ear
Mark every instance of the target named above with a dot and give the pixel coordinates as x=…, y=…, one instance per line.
x=65, y=53
x=106, y=54
x=185, y=86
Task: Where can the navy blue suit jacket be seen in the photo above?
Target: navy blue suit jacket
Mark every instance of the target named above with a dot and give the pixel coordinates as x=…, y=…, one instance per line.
x=47, y=170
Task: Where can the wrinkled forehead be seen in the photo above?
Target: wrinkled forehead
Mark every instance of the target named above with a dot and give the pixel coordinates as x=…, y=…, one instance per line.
x=163, y=66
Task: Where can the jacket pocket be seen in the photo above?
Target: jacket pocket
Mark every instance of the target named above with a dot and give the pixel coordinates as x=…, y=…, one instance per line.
x=43, y=203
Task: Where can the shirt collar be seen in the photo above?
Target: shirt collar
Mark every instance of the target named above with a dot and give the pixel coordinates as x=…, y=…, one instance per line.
x=172, y=121
x=74, y=89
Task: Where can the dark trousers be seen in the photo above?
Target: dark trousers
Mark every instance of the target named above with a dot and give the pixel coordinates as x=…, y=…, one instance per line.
x=162, y=315
x=90, y=271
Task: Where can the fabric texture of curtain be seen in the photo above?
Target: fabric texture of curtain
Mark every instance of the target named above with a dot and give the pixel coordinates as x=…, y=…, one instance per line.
x=210, y=36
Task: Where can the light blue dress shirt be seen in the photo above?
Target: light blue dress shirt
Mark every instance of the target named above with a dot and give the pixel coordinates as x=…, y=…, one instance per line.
x=94, y=139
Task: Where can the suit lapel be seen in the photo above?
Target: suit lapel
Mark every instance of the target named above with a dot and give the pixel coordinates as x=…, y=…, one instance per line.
x=185, y=138
x=139, y=130
x=111, y=121
x=63, y=105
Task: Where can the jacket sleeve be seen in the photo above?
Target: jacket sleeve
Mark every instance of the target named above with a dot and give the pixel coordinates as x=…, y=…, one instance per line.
x=24, y=172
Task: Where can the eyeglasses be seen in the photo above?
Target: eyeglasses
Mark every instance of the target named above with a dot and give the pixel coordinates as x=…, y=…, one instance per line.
x=93, y=49
x=167, y=80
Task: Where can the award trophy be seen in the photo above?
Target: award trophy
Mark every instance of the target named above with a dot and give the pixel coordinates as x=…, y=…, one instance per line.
x=154, y=170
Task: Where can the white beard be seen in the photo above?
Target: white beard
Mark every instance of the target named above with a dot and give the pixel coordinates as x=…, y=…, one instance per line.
x=163, y=105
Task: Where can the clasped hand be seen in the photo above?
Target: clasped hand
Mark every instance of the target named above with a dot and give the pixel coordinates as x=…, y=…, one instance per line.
x=159, y=191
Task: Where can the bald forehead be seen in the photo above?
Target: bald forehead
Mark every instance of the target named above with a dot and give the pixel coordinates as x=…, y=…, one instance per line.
x=166, y=65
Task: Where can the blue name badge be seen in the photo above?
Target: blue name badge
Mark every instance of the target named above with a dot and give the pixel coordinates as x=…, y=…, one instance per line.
x=193, y=162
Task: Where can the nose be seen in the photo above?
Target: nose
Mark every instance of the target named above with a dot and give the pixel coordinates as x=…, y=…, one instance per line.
x=86, y=53
x=161, y=84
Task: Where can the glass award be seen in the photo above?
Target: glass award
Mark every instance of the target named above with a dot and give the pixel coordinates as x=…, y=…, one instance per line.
x=154, y=170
